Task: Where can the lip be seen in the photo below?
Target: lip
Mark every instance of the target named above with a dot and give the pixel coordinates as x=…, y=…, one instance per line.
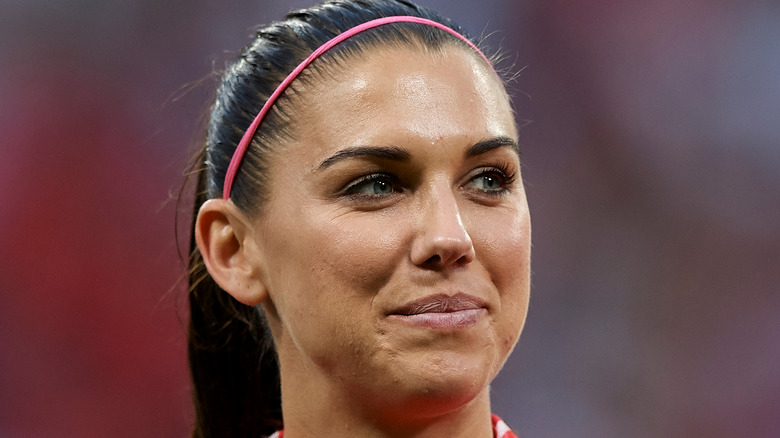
x=441, y=311
x=440, y=303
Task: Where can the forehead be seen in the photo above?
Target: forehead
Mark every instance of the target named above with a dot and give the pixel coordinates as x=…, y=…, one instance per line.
x=404, y=94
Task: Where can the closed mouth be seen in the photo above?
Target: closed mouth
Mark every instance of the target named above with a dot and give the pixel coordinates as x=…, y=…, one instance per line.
x=440, y=303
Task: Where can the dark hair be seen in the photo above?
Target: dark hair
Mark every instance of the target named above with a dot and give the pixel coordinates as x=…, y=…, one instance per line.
x=235, y=375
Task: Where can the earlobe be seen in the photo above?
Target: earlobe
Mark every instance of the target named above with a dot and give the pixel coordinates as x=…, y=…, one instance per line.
x=221, y=232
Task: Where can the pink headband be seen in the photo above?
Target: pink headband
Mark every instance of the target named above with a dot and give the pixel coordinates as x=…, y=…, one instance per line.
x=238, y=155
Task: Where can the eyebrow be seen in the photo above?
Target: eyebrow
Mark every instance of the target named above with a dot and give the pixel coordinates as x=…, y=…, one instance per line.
x=384, y=152
x=488, y=145
x=395, y=153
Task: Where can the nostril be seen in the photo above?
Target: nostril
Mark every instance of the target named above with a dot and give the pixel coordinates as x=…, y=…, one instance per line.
x=433, y=262
x=437, y=262
x=434, y=259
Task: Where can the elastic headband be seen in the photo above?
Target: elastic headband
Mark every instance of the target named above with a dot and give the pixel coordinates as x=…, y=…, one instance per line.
x=243, y=145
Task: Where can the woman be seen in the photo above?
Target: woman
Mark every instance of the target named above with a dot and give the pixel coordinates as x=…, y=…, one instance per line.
x=361, y=243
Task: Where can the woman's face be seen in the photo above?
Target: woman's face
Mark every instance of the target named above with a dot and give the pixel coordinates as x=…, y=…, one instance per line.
x=395, y=244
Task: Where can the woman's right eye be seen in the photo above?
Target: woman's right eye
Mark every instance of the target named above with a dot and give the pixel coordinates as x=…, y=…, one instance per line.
x=375, y=185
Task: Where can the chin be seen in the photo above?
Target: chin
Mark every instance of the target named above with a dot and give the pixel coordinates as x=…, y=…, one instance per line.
x=440, y=384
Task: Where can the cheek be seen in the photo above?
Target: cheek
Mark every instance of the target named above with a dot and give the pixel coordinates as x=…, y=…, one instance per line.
x=362, y=252
x=502, y=240
x=331, y=267
x=503, y=245
x=342, y=264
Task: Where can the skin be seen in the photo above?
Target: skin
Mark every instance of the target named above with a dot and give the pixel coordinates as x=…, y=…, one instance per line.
x=381, y=200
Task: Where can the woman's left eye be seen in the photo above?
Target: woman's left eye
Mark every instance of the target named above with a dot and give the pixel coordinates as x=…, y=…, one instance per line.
x=487, y=182
x=490, y=181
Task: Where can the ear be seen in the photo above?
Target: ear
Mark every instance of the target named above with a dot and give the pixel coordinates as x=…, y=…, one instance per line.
x=232, y=257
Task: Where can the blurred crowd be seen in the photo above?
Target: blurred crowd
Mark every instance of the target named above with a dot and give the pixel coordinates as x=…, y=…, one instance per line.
x=651, y=149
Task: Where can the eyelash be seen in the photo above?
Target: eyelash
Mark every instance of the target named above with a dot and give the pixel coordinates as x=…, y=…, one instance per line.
x=502, y=170
x=505, y=175
x=352, y=189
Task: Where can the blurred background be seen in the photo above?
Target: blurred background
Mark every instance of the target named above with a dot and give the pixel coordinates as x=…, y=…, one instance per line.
x=651, y=148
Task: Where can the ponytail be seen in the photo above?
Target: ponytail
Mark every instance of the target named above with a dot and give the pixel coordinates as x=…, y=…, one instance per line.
x=233, y=364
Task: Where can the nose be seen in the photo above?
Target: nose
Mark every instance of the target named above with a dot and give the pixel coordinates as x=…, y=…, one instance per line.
x=442, y=240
